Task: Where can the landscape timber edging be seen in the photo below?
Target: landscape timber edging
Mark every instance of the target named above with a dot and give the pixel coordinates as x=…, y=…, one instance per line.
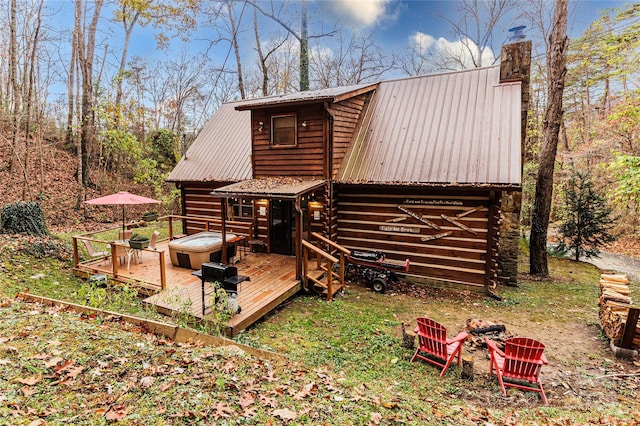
x=173, y=332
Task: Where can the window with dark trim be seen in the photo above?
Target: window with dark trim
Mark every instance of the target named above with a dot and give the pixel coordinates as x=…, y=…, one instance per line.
x=242, y=208
x=284, y=130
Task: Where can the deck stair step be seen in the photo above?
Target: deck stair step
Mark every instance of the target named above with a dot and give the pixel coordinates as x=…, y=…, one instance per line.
x=321, y=286
x=319, y=265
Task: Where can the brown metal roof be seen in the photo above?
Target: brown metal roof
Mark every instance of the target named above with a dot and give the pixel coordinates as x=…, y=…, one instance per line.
x=221, y=151
x=281, y=186
x=333, y=94
x=454, y=128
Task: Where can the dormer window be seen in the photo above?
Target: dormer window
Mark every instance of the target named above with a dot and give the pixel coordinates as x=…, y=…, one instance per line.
x=284, y=130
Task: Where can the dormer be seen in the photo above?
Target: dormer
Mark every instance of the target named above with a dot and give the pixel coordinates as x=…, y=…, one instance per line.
x=304, y=134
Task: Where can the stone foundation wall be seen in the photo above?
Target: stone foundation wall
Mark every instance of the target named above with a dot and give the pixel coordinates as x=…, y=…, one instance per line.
x=509, y=240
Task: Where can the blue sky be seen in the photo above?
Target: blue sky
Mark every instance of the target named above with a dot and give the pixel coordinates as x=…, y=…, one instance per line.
x=392, y=22
x=393, y=25
x=398, y=18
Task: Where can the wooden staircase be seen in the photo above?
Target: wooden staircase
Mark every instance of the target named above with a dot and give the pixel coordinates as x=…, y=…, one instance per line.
x=323, y=278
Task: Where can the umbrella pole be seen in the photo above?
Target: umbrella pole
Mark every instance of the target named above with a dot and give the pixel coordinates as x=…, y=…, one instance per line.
x=124, y=235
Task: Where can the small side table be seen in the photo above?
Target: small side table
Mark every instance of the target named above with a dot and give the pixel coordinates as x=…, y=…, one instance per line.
x=257, y=245
x=241, y=246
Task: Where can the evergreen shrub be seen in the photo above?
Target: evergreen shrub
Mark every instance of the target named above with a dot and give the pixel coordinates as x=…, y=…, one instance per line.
x=587, y=219
x=23, y=217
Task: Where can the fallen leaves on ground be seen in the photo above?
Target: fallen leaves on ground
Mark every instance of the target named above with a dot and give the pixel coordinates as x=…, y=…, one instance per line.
x=93, y=368
x=285, y=414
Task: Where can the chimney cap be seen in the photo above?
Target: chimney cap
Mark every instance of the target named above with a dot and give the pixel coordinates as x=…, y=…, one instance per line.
x=517, y=33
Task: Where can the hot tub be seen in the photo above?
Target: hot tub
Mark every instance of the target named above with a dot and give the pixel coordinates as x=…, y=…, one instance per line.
x=194, y=250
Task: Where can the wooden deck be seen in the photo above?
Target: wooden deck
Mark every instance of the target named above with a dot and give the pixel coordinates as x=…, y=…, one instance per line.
x=272, y=281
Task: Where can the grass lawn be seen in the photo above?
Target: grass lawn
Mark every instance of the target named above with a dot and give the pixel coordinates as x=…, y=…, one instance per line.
x=345, y=363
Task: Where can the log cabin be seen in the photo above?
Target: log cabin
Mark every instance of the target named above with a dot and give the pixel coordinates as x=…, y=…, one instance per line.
x=423, y=168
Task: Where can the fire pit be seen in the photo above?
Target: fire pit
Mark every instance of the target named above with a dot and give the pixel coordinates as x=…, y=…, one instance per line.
x=481, y=329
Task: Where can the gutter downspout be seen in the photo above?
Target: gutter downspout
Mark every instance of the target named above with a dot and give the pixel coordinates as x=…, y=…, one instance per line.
x=330, y=170
x=298, y=241
x=223, y=215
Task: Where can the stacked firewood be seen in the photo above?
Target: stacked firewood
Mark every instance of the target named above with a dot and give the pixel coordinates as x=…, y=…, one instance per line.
x=615, y=301
x=480, y=329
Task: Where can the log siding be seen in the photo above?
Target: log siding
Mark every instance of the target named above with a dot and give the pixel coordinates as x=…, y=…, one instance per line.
x=458, y=252
x=306, y=158
x=198, y=201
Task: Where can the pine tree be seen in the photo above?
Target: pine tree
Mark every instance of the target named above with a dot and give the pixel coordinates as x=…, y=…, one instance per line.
x=587, y=219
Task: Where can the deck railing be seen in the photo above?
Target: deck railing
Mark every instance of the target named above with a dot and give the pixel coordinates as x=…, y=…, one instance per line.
x=115, y=250
x=325, y=263
x=244, y=229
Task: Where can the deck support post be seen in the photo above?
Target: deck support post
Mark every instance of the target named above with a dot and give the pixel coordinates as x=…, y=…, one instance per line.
x=76, y=258
x=305, y=268
x=114, y=259
x=163, y=272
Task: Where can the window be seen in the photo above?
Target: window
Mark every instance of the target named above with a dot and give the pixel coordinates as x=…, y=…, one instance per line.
x=283, y=130
x=243, y=208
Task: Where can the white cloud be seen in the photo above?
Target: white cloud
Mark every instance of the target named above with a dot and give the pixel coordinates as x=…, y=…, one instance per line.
x=363, y=13
x=457, y=54
x=421, y=41
x=321, y=53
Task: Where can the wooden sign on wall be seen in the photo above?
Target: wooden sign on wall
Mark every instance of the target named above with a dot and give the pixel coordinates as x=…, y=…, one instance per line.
x=408, y=208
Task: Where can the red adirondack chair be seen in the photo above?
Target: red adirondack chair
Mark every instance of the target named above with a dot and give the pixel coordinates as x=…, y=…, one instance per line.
x=520, y=363
x=434, y=347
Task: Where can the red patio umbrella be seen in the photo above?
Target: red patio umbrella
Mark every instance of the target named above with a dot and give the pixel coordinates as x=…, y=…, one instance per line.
x=121, y=198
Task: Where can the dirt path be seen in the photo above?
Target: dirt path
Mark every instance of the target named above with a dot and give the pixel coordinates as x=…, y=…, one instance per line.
x=617, y=263
x=620, y=264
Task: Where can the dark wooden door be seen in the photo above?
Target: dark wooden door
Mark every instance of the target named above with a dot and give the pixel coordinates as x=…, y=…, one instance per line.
x=282, y=225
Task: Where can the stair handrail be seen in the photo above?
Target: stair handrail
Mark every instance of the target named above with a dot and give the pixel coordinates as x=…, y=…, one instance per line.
x=307, y=246
x=333, y=244
x=343, y=252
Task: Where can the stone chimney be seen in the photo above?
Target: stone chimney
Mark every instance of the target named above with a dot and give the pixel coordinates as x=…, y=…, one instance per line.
x=515, y=65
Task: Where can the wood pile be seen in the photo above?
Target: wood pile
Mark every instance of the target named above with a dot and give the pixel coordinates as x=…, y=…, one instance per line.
x=618, y=316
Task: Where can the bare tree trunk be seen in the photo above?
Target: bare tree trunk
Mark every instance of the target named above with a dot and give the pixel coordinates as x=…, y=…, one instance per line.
x=30, y=101
x=236, y=49
x=128, y=24
x=75, y=61
x=556, y=64
x=71, y=84
x=303, y=38
x=606, y=105
x=563, y=136
x=13, y=97
x=85, y=59
x=98, y=83
x=261, y=57
x=587, y=113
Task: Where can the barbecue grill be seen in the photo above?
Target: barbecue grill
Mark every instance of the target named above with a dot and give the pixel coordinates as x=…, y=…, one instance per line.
x=227, y=277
